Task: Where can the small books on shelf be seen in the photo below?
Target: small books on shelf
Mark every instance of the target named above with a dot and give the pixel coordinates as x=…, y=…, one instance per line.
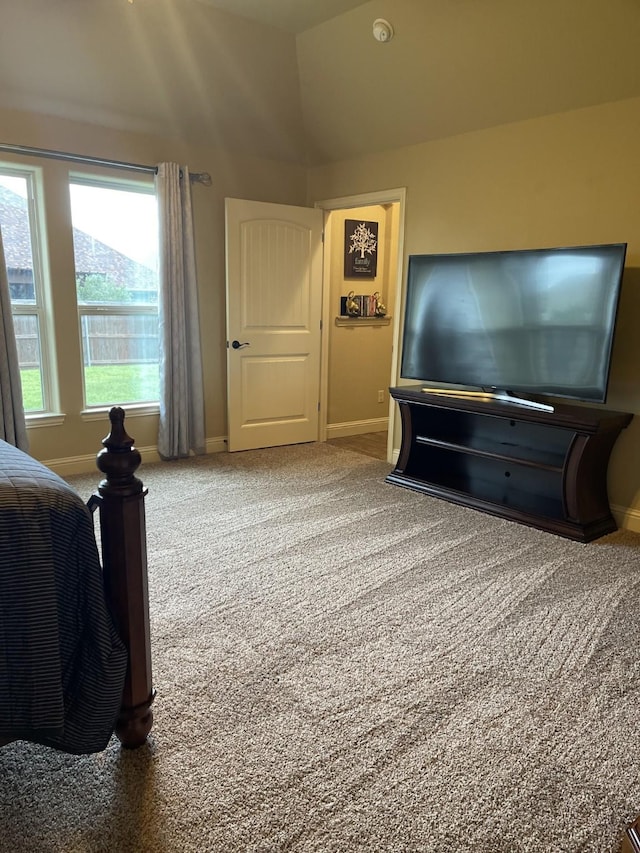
x=358, y=306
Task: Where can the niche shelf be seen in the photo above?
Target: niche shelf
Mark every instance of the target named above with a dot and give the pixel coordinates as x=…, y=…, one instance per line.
x=363, y=321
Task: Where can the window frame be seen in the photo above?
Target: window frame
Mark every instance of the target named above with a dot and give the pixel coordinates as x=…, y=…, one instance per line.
x=42, y=306
x=101, y=309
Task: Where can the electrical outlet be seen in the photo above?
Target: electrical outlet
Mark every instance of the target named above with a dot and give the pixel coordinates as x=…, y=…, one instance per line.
x=381, y=396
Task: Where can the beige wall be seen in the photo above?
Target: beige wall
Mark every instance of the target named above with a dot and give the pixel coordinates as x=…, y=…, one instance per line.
x=233, y=175
x=567, y=179
x=360, y=352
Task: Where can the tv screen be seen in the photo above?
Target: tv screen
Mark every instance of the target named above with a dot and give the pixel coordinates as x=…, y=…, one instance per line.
x=532, y=321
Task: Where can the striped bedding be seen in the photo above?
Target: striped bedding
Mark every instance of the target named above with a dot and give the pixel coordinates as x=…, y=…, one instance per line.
x=62, y=664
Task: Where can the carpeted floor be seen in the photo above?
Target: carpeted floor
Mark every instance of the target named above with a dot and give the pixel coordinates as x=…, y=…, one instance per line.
x=372, y=444
x=344, y=665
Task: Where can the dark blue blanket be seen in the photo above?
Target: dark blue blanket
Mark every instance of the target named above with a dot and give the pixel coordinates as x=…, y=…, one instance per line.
x=62, y=664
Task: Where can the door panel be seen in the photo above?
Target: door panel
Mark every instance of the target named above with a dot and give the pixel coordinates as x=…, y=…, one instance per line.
x=274, y=290
x=260, y=376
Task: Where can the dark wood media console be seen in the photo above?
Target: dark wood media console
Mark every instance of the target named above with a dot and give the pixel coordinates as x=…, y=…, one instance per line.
x=544, y=469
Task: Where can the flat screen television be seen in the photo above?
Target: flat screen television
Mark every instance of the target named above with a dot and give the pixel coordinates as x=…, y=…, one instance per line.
x=524, y=322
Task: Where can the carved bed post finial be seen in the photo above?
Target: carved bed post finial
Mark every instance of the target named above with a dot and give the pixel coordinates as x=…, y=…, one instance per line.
x=124, y=558
x=117, y=438
x=119, y=459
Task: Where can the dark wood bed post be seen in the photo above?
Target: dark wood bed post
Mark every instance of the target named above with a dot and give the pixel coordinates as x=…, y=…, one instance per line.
x=120, y=500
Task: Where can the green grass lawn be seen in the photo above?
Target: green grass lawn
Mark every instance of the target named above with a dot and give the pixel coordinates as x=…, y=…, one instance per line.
x=31, y=390
x=105, y=385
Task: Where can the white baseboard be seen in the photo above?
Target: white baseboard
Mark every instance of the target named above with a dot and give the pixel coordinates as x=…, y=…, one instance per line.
x=87, y=464
x=217, y=445
x=357, y=427
x=626, y=518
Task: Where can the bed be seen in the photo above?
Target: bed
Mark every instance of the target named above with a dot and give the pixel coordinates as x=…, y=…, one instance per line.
x=75, y=660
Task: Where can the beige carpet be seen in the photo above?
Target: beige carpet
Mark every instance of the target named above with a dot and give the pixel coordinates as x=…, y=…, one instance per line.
x=345, y=665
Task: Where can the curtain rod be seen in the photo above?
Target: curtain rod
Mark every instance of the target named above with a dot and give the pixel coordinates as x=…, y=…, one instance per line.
x=198, y=177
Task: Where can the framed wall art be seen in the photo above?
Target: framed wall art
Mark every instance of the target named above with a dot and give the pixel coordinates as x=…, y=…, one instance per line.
x=360, y=249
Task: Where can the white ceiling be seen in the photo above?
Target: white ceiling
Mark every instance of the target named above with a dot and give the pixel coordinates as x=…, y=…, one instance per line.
x=295, y=16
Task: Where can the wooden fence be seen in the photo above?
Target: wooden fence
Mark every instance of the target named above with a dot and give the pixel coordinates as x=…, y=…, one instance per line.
x=110, y=339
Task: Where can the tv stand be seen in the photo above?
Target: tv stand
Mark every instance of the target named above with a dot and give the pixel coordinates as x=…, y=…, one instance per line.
x=547, y=469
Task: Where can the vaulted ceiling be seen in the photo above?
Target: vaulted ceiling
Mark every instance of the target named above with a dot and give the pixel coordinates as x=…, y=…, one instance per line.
x=304, y=80
x=295, y=16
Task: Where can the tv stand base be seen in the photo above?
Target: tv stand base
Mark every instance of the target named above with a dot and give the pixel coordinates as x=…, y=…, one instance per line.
x=547, y=469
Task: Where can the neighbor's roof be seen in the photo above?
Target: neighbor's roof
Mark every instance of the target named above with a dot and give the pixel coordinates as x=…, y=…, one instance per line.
x=91, y=255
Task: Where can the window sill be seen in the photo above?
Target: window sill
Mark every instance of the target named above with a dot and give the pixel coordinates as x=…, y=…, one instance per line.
x=131, y=410
x=44, y=419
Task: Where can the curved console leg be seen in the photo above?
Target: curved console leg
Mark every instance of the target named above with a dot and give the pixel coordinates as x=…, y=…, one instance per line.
x=631, y=838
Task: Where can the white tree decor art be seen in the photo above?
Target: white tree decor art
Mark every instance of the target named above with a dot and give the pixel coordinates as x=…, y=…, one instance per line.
x=361, y=249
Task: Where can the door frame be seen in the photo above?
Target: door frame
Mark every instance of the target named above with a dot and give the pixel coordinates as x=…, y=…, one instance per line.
x=390, y=196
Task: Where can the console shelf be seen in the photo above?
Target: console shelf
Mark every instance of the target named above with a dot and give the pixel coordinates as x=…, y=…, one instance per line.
x=544, y=469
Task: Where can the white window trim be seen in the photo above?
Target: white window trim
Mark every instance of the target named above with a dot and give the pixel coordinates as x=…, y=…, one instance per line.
x=42, y=307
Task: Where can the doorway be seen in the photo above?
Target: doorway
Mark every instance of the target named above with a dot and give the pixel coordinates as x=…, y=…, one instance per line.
x=359, y=358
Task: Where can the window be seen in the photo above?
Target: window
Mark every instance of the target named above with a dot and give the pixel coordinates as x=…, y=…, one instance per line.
x=115, y=238
x=22, y=250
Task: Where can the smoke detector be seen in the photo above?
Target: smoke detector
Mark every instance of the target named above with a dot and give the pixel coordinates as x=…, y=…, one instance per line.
x=382, y=30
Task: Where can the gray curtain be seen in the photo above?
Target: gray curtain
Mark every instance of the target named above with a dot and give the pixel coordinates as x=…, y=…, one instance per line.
x=181, y=430
x=13, y=426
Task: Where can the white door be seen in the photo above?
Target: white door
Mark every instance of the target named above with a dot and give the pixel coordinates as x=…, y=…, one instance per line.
x=274, y=301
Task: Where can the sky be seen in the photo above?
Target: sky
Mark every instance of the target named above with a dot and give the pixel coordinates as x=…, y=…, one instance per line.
x=123, y=219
